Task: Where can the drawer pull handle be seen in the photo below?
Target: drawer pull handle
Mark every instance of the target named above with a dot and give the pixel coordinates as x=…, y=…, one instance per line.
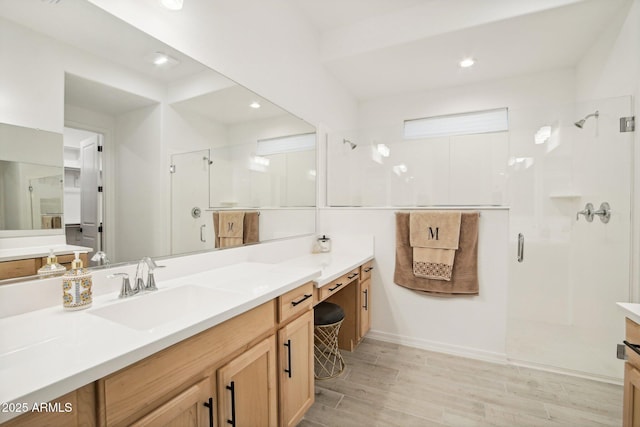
x=209, y=405
x=306, y=297
x=368, y=269
x=288, y=345
x=232, y=387
x=366, y=299
x=352, y=276
x=335, y=287
x=634, y=347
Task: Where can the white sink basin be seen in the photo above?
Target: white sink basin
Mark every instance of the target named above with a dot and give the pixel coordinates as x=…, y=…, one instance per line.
x=150, y=310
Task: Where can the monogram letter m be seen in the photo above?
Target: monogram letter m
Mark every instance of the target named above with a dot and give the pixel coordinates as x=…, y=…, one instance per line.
x=433, y=235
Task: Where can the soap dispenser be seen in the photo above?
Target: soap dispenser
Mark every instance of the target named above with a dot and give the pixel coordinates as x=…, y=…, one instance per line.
x=51, y=268
x=324, y=243
x=76, y=286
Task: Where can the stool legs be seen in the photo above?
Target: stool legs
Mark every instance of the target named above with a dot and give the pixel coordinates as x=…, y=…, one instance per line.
x=328, y=360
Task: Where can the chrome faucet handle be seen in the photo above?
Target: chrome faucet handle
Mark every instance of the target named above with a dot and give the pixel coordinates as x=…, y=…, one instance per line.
x=125, y=290
x=587, y=212
x=151, y=281
x=139, y=282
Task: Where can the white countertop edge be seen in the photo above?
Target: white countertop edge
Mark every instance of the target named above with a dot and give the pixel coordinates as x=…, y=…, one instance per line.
x=55, y=389
x=631, y=310
x=39, y=252
x=326, y=279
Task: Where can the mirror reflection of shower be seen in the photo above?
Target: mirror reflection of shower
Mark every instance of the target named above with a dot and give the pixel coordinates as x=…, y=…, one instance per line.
x=580, y=123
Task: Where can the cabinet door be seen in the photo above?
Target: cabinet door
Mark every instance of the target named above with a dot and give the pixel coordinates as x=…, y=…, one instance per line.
x=247, y=393
x=631, y=411
x=193, y=407
x=365, y=301
x=295, y=353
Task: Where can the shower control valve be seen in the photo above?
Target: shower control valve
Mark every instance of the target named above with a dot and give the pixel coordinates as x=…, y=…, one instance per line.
x=588, y=212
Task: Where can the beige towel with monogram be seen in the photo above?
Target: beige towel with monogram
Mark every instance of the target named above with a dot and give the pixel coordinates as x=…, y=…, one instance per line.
x=464, y=279
x=230, y=228
x=434, y=237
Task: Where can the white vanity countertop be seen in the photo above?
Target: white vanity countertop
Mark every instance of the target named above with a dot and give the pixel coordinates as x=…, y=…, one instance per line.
x=333, y=264
x=38, y=251
x=631, y=310
x=47, y=353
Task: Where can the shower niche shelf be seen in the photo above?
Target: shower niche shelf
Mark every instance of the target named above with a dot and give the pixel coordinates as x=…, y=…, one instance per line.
x=565, y=195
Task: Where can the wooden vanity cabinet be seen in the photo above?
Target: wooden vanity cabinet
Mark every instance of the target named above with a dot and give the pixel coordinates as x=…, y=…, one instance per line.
x=295, y=341
x=73, y=409
x=169, y=383
x=295, y=354
x=364, y=321
x=194, y=407
x=631, y=403
x=29, y=266
x=247, y=388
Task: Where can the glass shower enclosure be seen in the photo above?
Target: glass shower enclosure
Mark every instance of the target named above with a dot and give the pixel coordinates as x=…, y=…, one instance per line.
x=569, y=263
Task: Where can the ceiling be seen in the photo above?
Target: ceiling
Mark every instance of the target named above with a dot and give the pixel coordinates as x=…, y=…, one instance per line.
x=374, y=48
x=377, y=48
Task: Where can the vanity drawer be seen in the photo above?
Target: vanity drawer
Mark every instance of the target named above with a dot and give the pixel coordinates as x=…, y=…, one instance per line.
x=365, y=270
x=327, y=290
x=18, y=268
x=295, y=302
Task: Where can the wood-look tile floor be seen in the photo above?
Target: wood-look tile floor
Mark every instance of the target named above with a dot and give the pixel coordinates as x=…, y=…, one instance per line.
x=392, y=385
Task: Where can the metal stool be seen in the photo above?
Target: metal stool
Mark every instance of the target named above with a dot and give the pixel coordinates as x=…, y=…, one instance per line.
x=328, y=362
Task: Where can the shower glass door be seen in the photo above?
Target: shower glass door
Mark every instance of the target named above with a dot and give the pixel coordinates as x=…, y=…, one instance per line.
x=562, y=312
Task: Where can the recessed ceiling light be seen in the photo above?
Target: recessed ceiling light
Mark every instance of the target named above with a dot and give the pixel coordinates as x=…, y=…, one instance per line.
x=467, y=62
x=172, y=4
x=254, y=104
x=162, y=60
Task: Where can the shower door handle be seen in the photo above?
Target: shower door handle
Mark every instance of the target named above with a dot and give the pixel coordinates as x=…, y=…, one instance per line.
x=520, y=247
x=202, y=238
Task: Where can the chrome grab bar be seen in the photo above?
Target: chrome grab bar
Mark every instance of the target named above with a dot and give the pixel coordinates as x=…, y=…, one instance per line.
x=202, y=238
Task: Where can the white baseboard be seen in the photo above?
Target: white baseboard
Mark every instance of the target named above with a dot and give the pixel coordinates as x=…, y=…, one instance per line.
x=486, y=356
x=439, y=347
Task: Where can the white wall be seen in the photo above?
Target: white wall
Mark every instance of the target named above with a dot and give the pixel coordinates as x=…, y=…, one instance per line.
x=473, y=326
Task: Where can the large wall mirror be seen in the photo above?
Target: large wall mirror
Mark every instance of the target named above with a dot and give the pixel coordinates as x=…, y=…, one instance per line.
x=149, y=144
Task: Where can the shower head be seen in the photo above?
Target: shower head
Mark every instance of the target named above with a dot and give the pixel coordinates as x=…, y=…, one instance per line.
x=580, y=123
x=353, y=145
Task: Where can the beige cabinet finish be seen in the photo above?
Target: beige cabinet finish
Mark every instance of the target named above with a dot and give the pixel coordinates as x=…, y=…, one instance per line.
x=295, y=302
x=133, y=392
x=364, y=320
x=80, y=402
x=30, y=266
x=194, y=407
x=295, y=341
x=247, y=394
x=631, y=404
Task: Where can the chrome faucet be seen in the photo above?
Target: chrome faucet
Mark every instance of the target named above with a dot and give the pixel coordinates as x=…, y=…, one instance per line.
x=150, y=285
x=125, y=290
